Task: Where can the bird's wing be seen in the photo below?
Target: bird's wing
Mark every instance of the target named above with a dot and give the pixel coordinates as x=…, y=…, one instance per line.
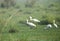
x=31, y=23
x=36, y=20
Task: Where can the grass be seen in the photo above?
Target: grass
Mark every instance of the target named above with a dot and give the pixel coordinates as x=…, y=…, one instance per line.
x=13, y=18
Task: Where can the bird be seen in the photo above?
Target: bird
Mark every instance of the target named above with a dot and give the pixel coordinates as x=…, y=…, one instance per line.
x=34, y=20
x=55, y=24
x=31, y=24
x=48, y=26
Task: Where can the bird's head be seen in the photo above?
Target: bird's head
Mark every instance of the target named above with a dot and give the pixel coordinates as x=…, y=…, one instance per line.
x=30, y=17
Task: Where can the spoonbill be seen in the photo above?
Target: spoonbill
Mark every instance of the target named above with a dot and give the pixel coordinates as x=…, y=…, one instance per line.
x=31, y=24
x=35, y=20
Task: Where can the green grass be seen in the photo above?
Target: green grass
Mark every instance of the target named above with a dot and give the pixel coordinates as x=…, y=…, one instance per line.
x=24, y=32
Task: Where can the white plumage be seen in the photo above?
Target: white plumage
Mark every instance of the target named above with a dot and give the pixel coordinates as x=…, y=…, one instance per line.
x=31, y=24
x=35, y=20
x=48, y=26
x=55, y=24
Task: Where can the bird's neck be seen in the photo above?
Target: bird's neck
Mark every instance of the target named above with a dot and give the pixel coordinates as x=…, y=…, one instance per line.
x=27, y=21
x=30, y=18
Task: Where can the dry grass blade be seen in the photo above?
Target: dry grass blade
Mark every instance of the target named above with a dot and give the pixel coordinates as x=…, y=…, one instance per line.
x=7, y=21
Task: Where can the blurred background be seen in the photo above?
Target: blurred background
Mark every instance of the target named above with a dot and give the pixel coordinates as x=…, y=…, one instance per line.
x=13, y=16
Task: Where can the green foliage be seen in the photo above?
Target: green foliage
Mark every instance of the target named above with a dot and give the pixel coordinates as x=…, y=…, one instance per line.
x=50, y=18
x=7, y=3
x=23, y=32
x=58, y=20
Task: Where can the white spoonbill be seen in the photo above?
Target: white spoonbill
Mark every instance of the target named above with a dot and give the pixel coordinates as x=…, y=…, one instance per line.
x=31, y=24
x=35, y=20
x=48, y=26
